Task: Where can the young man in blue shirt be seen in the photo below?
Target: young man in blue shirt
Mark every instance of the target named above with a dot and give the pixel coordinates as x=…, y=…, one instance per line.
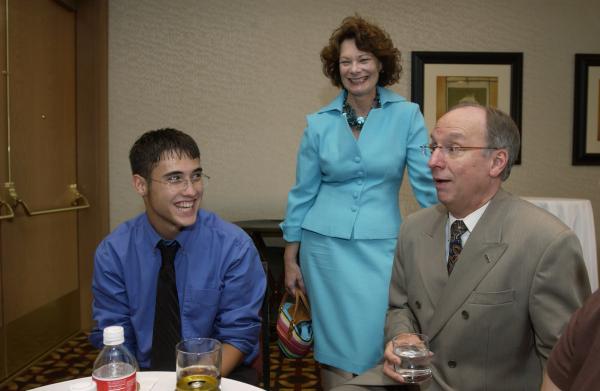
x=220, y=282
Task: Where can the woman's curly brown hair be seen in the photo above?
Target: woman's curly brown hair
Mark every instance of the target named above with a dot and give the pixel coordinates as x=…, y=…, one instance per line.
x=368, y=38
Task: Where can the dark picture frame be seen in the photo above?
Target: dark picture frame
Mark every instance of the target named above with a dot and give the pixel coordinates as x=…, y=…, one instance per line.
x=586, y=116
x=441, y=79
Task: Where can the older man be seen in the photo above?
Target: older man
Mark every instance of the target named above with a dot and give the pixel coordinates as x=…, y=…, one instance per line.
x=490, y=278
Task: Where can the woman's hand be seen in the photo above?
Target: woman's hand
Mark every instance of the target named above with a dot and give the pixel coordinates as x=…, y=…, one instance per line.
x=293, y=275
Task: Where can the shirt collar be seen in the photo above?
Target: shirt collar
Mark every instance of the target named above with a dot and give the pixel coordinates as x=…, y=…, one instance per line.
x=181, y=238
x=471, y=219
x=385, y=96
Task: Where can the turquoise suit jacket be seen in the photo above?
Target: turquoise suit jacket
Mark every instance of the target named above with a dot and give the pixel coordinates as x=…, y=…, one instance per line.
x=348, y=188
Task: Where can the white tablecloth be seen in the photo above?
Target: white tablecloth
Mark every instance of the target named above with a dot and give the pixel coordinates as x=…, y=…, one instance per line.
x=578, y=215
x=155, y=381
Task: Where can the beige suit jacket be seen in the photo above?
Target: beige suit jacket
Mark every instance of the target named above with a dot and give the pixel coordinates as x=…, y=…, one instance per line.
x=493, y=322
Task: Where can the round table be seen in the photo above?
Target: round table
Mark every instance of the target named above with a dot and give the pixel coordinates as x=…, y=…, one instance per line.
x=155, y=381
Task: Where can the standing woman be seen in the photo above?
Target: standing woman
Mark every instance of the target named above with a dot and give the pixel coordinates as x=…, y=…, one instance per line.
x=343, y=214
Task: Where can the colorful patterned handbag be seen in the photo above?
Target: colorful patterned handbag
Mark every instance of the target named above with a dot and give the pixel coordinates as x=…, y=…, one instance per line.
x=294, y=326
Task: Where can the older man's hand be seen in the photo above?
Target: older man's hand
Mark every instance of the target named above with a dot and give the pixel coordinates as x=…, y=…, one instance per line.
x=391, y=359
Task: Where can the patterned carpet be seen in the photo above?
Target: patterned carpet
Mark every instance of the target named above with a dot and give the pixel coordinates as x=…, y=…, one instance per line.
x=293, y=374
x=75, y=358
x=71, y=360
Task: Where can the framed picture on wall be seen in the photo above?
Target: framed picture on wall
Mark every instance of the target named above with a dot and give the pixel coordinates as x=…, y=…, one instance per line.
x=586, y=118
x=441, y=80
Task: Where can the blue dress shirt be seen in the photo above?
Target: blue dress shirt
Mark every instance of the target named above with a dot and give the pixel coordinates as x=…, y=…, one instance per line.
x=220, y=283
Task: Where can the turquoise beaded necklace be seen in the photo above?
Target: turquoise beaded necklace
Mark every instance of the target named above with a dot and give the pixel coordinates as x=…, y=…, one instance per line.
x=354, y=121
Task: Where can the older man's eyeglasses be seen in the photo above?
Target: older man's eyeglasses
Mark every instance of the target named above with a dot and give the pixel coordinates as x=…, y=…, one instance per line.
x=179, y=183
x=451, y=151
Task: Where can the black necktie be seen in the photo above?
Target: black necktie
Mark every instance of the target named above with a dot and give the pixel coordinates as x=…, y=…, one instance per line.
x=455, y=247
x=167, y=319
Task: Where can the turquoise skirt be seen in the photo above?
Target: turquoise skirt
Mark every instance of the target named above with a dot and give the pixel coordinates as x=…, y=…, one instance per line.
x=347, y=283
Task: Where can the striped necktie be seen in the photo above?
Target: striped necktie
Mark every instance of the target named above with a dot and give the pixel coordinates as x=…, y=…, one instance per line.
x=455, y=247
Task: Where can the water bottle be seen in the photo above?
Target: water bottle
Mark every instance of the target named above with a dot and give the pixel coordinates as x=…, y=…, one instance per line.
x=115, y=368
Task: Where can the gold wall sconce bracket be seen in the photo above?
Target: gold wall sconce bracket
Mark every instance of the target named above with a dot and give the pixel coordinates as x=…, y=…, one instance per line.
x=6, y=212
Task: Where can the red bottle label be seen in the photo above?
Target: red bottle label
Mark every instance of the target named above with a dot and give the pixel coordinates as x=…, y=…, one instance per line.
x=125, y=383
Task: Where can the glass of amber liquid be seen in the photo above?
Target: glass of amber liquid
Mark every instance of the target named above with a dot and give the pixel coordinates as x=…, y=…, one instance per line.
x=198, y=364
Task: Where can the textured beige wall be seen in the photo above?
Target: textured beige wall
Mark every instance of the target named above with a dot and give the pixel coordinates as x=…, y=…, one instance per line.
x=241, y=75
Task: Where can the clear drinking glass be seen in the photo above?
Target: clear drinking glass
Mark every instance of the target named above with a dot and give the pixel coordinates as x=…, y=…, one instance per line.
x=413, y=350
x=198, y=364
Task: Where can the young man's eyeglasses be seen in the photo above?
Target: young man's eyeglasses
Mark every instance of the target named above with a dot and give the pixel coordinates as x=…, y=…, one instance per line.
x=178, y=182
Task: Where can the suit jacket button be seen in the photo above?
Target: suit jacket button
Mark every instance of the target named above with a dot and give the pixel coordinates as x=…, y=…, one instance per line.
x=418, y=305
x=465, y=315
x=452, y=364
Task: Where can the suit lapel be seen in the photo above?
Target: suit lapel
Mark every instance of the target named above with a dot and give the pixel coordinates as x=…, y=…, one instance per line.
x=431, y=253
x=481, y=252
